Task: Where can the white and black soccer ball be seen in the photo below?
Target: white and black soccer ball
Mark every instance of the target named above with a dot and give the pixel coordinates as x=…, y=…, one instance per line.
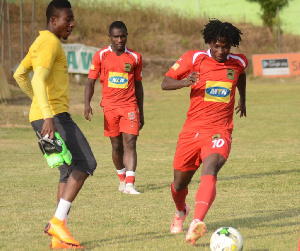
x=226, y=239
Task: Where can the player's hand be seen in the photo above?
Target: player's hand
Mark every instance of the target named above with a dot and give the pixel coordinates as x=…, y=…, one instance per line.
x=142, y=122
x=49, y=128
x=241, y=107
x=88, y=112
x=192, y=78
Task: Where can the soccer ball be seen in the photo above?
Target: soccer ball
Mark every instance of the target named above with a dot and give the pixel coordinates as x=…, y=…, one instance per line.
x=226, y=239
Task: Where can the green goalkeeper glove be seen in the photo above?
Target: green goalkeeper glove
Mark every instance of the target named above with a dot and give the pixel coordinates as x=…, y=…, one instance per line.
x=55, y=151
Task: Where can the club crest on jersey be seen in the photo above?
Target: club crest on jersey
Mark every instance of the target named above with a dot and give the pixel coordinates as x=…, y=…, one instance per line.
x=118, y=80
x=230, y=73
x=131, y=115
x=127, y=67
x=217, y=91
x=92, y=67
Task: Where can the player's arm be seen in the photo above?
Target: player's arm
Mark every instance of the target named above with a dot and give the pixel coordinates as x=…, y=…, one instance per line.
x=174, y=84
x=94, y=73
x=139, y=93
x=21, y=76
x=89, y=92
x=40, y=93
x=241, y=85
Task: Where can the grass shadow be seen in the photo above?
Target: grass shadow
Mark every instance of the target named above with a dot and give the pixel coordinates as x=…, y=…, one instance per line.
x=260, y=174
x=258, y=220
x=128, y=238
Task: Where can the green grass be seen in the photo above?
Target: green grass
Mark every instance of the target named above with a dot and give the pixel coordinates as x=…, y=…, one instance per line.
x=233, y=10
x=257, y=189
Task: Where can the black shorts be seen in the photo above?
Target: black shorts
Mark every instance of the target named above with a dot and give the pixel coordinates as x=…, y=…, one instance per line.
x=82, y=156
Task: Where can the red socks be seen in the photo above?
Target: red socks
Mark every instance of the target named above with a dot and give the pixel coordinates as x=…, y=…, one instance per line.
x=122, y=176
x=179, y=197
x=130, y=179
x=128, y=176
x=205, y=196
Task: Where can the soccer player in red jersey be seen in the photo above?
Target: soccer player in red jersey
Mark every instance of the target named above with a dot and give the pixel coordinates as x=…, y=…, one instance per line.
x=120, y=71
x=213, y=77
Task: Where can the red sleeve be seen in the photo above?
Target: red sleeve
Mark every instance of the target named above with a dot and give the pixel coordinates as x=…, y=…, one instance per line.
x=95, y=66
x=138, y=69
x=182, y=68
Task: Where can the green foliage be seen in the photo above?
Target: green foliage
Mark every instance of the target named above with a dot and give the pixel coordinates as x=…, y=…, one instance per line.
x=269, y=10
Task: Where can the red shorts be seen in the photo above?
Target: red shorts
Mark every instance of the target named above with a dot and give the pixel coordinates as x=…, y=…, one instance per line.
x=119, y=120
x=193, y=148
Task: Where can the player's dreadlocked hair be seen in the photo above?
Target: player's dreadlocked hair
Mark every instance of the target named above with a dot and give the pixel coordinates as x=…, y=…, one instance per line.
x=54, y=6
x=117, y=24
x=215, y=30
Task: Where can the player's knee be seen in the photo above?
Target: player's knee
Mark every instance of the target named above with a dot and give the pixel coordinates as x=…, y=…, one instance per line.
x=130, y=143
x=178, y=186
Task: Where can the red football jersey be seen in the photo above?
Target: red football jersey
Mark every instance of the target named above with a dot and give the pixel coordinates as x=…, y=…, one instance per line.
x=117, y=76
x=213, y=96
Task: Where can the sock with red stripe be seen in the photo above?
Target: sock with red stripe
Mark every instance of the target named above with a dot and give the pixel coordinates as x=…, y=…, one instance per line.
x=130, y=177
x=179, y=197
x=205, y=196
x=122, y=174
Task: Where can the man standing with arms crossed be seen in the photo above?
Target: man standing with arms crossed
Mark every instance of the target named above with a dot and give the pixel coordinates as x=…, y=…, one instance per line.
x=49, y=91
x=213, y=76
x=120, y=71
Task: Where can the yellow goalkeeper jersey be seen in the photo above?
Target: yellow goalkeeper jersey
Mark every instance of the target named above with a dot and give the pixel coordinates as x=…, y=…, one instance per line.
x=47, y=51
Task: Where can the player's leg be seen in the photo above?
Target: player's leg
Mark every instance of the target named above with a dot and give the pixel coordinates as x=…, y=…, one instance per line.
x=83, y=165
x=57, y=226
x=214, y=154
x=207, y=190
x=130, y=162
x=55, y=242
x=186, y=162
x=112, y=130
x=60, y=189
x=117, y=157
x=179, y=190
x=205, y=195
x=129, y=127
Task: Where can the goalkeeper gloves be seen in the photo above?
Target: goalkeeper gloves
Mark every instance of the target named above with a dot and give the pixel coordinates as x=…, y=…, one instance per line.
x=55, y=151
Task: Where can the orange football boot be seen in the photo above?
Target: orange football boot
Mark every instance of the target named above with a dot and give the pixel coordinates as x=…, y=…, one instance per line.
x=196, y=230
x=57, y=228
x=177, y=224
x=58, y=244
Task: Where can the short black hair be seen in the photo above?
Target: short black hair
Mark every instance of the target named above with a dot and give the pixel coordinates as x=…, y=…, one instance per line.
x=56, y=5
x=117, y=24
x=215, y=30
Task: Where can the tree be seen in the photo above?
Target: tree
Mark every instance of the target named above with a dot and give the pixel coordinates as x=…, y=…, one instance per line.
x=269, y=10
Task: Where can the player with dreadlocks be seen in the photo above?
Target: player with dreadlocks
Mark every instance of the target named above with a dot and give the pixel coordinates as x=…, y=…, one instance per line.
x=213, y=77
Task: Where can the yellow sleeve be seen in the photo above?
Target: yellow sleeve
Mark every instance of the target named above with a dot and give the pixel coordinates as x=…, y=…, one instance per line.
x=39, y=88
x=21, y=75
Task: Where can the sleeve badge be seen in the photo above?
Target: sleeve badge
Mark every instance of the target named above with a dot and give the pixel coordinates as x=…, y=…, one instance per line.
x=175, y=66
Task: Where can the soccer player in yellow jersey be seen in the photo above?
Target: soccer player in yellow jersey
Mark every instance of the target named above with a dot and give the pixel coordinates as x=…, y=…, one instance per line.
x=49, y=91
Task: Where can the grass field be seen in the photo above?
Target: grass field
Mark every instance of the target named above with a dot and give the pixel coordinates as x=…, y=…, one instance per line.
x=257, y=189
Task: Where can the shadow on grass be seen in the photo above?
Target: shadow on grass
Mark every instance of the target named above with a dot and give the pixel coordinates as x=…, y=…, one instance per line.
x=259, y=220
x=157, y=186
x=130, y=238
x=260, y=174
x=255, y=222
